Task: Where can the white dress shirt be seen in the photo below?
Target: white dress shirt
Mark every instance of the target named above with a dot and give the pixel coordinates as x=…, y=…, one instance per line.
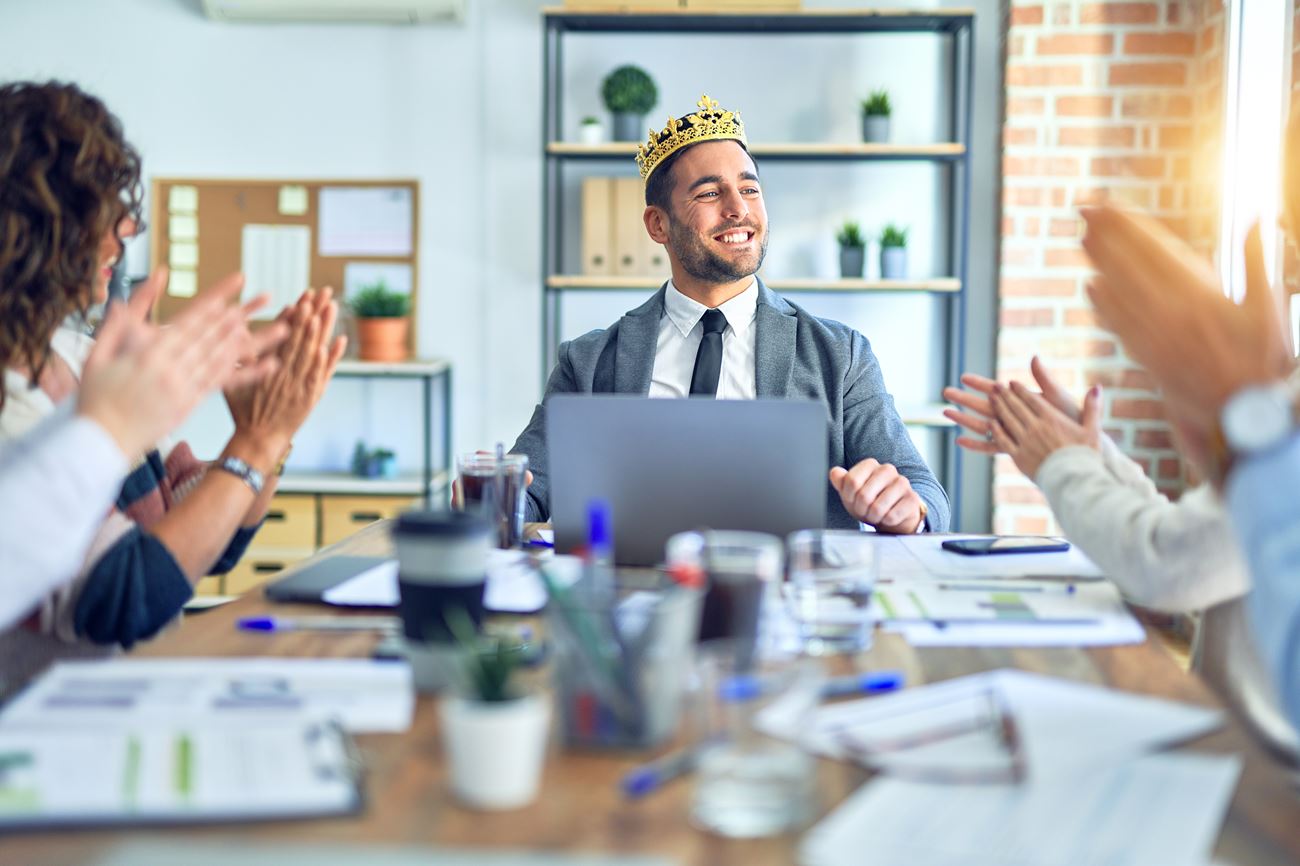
x=680, y=333
x=57, y=484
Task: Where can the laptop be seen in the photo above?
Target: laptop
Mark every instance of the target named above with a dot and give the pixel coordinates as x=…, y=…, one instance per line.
x=667, y=466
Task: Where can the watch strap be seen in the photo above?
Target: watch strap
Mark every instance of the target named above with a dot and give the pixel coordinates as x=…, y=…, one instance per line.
x=243, y=471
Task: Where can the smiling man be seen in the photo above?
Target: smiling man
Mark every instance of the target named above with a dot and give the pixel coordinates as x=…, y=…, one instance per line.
x=715, y=331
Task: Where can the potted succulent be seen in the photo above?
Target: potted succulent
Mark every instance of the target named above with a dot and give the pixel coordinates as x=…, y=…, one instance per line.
x=853, y=250
x=893, y=253
x=629, y=93
x=382, y=323
x=495, y=734
x=875, y=117
x=591, y=131
x=379, y=463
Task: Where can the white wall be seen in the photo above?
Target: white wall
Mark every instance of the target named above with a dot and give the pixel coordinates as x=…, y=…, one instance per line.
x=458, y=108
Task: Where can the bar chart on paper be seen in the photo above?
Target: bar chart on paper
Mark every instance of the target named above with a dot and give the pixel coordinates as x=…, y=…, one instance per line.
x=977, y=602
x=1006, y=613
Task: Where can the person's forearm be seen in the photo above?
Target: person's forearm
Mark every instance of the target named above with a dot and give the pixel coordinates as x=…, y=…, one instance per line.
x=56, y=485
x=1265, y=509
x=262, y=504
x=198, y=529
x=1171, y=556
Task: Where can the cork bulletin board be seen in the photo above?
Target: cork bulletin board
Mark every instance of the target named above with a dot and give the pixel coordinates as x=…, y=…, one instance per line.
x=329, y=229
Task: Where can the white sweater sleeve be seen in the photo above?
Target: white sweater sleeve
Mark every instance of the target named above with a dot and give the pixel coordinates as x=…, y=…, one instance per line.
x=1176, y=557
x=57, y=485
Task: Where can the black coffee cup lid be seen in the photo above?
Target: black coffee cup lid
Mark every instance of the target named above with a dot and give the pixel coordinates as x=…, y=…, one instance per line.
x=441, y=524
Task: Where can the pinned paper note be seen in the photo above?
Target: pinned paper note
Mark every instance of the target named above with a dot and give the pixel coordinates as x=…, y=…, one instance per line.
x=183, y=284
x=366, y=221
x=358, y=275
x=276, y=261
x=293, y=200
x=183, y=199
x=182, y=227
x=184, y=254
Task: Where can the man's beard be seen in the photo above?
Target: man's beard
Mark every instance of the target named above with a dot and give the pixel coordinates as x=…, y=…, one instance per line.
x=703, y=263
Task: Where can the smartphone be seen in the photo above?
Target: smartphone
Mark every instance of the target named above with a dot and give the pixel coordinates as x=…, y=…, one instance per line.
x=1006, y=544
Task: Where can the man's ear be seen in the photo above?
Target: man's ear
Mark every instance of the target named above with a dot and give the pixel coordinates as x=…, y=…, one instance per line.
x=656, y=224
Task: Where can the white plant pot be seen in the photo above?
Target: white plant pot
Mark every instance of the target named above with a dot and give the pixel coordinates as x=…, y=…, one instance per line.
x=591, y=133
x=496, y=750
x=875, y=128
x=893, y=263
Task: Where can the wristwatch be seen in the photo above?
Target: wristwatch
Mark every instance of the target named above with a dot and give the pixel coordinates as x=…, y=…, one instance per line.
x=1258, y=418
x=242, y=470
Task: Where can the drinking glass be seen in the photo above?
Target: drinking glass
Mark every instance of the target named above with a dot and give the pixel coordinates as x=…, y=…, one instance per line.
x=828, y=590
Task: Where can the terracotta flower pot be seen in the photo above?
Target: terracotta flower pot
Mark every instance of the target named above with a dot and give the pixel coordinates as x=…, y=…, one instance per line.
x=383, y=339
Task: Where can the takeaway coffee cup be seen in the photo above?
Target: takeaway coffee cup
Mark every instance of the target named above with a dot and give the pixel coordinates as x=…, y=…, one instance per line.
x=442, y=573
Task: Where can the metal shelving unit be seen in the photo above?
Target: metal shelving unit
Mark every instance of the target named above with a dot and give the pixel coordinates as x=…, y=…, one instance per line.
x=560, y=156
x=432, y=477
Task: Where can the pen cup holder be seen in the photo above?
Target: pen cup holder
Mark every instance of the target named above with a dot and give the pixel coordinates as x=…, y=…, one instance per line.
x=622, y=664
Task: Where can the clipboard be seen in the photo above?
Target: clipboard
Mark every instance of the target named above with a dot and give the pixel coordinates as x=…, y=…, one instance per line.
x=177, y=774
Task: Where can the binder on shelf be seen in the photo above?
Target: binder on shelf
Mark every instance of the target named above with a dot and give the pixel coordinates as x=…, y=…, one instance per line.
x=597, y=226
x=655, y=258
x=630, y=240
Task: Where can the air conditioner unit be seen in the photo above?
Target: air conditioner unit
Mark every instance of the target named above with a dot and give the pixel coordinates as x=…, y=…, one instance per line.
x=346, y=11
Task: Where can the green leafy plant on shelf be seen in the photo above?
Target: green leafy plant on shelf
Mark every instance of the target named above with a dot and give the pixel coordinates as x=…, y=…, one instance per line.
x=589, y=120
x=486, y=664
x=893, y=236
x=377, y=301
x=877, y=104
x=850, y=235
x=629, y=89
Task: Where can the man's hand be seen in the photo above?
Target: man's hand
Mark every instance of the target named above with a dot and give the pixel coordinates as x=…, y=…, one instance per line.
x=1165, y=304
x=1029, y=428
x=877, y=494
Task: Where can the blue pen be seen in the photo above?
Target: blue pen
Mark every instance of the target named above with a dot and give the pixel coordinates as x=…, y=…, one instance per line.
x=863, y=684
x=648, y=778
x=318, y=623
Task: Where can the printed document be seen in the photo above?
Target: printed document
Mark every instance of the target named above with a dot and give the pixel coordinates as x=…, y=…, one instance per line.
x=362, y=695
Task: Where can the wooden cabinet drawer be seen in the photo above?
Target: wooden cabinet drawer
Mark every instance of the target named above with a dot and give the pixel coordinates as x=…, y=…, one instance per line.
x=210, y=585
x=259, y=566
x=290, y=522
x=343, y=515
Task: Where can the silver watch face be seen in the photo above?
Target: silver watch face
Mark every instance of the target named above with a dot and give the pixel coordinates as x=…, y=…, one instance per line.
x=1257, y=418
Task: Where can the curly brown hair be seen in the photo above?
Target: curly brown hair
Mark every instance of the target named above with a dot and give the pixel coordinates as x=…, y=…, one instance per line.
x=69, y=177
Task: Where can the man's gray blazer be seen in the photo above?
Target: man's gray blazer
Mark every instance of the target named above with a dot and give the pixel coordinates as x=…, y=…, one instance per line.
x=796, y=355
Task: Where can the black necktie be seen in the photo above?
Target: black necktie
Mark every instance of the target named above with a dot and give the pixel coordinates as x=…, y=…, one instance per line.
x=708, y=361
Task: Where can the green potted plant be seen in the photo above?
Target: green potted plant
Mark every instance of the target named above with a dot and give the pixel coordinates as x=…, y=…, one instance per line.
x=382, y=323
x=591, y=130
x=893, y=253
x=853, y=250
x=494, y=732
x=629, y=93
x=875, y=117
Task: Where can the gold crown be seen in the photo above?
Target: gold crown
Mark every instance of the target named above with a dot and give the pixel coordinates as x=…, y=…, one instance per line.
x=710, y=123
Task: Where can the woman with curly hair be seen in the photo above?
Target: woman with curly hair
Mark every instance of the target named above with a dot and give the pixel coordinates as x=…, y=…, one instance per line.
x=59, y=480
x=71, y=195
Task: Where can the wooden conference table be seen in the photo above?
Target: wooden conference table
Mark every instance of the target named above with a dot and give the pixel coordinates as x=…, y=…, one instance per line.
x=580, y=810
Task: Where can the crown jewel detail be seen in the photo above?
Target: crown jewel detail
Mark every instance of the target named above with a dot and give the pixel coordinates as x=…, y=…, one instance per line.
x=708, y=123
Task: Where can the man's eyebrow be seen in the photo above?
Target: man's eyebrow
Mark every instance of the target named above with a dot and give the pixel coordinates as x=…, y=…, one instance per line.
x=707, y=179
x=748, y=175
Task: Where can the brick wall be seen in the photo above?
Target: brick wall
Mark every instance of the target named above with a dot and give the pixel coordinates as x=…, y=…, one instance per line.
x=1120, y=97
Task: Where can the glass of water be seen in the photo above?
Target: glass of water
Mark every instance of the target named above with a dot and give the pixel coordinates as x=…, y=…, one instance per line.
x=749, y=784
x=828, y=589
